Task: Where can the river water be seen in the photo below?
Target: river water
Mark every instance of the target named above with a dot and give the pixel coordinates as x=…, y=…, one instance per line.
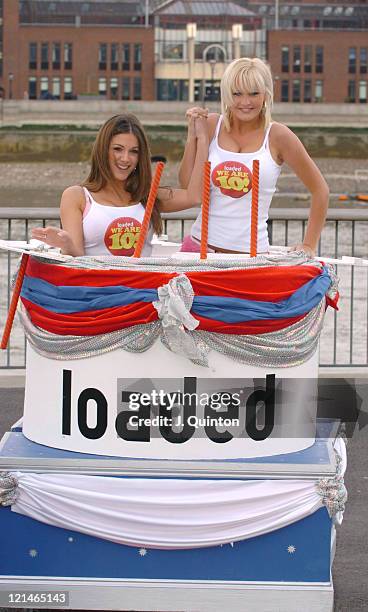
x=37, y=165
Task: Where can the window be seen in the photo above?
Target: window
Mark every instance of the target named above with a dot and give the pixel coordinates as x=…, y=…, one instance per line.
x=318, y=91
x=44, y=88
x=32, y=56
x=68, y=88
x=56, y=56
x=362, y=91
x=125, y=91
x=137, y=88
x=174, y=51
x=102, y=56
x=284, y=59
x=307, y=58
x=126, y=56
x=173, y=89
x=213, y=53
x=319, y=59
x=284, y=91
x=363, y=60
x=68, y=56
x=44, y=56
x=351, y=91
x=307, y=91
x=102, y=86
x=296, y=59
x=114, y=86
x=296, y=90
x=114, y=60
x=32, y=88
x=352, y=60
x=56, y=88
x=137, y=58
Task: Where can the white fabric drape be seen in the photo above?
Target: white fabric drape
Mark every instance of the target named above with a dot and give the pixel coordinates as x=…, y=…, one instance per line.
x=168, y=513
x=163, y=513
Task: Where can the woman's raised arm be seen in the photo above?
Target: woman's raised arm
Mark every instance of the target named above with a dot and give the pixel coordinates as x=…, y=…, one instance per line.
x=190, y=150
x=172, y=200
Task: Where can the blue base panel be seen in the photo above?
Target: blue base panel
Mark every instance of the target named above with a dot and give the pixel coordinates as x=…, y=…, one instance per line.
x=17, y=445
x=297, y=553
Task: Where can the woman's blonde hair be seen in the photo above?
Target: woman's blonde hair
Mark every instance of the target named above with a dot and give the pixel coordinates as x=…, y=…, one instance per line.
x=139, y=182
x=246, y=75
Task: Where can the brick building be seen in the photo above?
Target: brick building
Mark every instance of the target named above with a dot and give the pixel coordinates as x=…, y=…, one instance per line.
x=178, y=50
x=66, y=49
x=315, y=66
x=318, y=49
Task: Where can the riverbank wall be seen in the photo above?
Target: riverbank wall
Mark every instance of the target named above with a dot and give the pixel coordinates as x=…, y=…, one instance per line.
x=92, y=113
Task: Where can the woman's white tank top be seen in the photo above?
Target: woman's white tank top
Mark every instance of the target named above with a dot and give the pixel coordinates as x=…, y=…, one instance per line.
x=113, y=230
x=231, y=196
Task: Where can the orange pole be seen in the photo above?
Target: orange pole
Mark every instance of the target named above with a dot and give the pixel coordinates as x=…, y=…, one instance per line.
x=254, y=212
x=205, y=208
x=14, y=301
x=149, y=208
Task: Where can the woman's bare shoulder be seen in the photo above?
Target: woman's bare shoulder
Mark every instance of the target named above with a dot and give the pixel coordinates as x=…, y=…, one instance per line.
x=73, y=196
x=280, y=131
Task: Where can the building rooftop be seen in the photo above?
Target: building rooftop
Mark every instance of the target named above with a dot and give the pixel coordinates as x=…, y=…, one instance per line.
x=203, y=7
x=103, y=12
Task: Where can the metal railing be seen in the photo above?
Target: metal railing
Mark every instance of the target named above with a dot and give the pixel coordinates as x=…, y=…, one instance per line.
x=344, y=340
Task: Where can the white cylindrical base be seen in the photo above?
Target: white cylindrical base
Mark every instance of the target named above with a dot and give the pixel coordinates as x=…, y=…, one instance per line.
x=74, y=405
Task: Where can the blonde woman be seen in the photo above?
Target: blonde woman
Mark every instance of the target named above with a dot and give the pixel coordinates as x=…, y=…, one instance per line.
x=243, y=132
x=103, y=216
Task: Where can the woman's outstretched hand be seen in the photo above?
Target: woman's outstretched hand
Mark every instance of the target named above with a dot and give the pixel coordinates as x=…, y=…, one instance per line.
x=305, y=248
x=53, y=236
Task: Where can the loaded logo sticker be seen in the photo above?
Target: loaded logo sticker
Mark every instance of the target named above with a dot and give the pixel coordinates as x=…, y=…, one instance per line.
x=122, y=236
x=234, y=179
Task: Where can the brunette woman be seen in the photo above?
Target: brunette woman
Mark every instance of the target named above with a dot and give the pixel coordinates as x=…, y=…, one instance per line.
x=103, y=216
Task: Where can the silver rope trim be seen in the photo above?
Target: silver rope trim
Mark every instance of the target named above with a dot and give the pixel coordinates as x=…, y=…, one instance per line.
x=8, y=489
x=172, y=264
x=333, y=491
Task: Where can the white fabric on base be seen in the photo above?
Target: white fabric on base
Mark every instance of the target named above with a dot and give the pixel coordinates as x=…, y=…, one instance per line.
x=165, y=513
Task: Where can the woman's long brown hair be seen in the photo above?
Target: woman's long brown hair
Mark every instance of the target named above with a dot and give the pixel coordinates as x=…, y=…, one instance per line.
x=139, y=182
